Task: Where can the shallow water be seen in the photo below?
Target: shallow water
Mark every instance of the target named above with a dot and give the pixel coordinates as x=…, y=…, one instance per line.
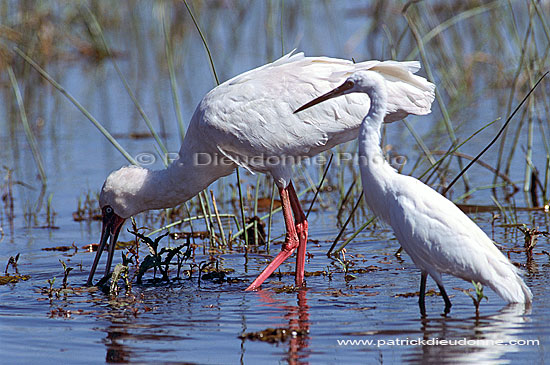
x=182, y=322
x=186, y=323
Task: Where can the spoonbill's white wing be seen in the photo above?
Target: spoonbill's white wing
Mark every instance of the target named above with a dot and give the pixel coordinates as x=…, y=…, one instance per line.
x=250, y=117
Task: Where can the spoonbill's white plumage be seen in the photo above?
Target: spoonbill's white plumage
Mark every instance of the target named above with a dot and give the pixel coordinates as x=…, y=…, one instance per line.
x=248, y=121
x=435, y=233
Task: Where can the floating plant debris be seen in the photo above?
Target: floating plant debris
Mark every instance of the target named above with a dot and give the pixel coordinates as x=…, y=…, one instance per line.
x=216, y=276
x=286, y=289
x=92, y=247
x=196, y=234
x=349, y=277
x=474, y=208
x=274, y=335
x=7, y=279
x=429, y=293
x=337, y=293
x=366, y=270
x=61, y=248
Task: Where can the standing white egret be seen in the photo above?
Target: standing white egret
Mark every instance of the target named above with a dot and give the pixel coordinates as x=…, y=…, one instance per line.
x=435, y=233
x=248, y=121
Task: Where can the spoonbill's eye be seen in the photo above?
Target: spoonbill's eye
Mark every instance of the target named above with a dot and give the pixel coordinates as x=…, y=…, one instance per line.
x=108, y=210
x=349, y=84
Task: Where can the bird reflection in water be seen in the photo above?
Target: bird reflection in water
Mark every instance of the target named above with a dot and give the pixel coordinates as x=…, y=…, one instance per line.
x=295, y=334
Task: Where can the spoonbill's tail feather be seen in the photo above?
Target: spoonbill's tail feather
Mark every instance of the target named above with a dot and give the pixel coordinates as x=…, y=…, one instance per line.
x=407, y=93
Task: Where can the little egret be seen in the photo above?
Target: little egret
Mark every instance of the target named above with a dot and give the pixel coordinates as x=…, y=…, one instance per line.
x=248, y=121
x=435, y=233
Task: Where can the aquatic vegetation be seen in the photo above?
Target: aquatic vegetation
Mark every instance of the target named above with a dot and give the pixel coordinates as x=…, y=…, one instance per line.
x=87, y=209
x=476, y=299
x=66, y=271
x=120, y=271
x=154, y=260
x=531, y=236
x=15, y=277
x=6, y=194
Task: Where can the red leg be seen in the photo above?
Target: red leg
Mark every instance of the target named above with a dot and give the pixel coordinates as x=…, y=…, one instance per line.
x=301, y=230
x=290, y=245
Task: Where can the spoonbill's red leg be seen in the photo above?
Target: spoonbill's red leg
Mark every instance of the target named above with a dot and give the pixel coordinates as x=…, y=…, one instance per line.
x=301, y=230
x=291, y=240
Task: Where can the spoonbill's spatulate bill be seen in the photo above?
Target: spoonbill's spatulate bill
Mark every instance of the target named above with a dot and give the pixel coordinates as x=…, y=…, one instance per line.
x=248, y=121
x=435, y=233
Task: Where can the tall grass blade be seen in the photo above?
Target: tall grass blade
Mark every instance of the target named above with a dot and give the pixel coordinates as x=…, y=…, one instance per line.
x=344, y=200
x=62, y=90
x=241, y=205
x=498, y=134
x=190, y=219
x=345, y=224
x=172, y=72
x=218, y=219
x=453, y=150
x=217, y=83
x=203, y=41
x=256, y=192
x=28, y=131
x=440, y=28
x=520, y=65
x=129, y=90
x=270, y=216
x=442, y=106
x=278, y=209
x=359, y=230
x=320, y=184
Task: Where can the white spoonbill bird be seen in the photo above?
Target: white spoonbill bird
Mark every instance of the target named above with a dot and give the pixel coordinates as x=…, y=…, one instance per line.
x=435, y=233
x=248, y=121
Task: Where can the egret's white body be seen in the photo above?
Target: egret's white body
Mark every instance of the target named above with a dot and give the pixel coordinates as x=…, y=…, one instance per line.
x=435, y=233
x=248, y=121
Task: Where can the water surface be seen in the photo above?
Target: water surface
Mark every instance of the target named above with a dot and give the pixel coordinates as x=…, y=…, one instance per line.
x=186, y=323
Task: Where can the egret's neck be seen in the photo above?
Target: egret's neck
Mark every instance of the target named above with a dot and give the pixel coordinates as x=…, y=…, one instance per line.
x=376, y=173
